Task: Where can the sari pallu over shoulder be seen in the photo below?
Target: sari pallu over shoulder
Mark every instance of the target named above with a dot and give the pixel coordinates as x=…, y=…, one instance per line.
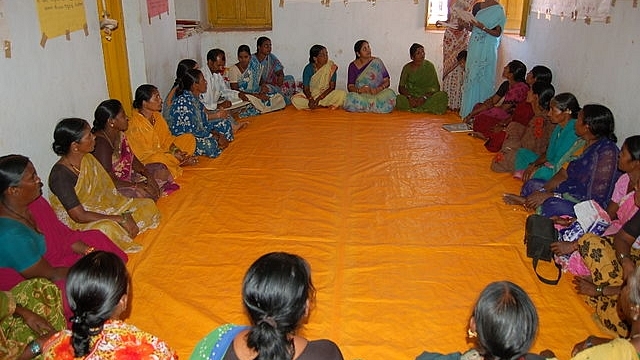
x=372, y=75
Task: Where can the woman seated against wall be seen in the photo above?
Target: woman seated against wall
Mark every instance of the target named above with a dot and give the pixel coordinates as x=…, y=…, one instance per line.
x=419, y=88
x=564, y=142
x=494, y=114
x=132, y=178
x=272, y=72
x=532, y=137
x=503, y=325
x=84, y=196
x=183, y=66
x=277, y=293
x=590, y=176
x=368, y=83
x=213, y=131
x=628, y=347
x=150, y=138
x=605, y=256
x=98, y=289
x=244, y=77
x=319, y=82
x=30, y=313
x=33, y=241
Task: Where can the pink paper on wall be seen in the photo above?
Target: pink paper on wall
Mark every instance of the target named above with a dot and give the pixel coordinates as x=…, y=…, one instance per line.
x=157, y=7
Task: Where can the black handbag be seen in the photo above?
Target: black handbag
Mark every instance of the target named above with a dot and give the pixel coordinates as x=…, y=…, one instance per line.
x=538, y=236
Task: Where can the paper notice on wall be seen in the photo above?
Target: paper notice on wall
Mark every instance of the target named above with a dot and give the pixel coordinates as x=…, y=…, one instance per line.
x=60, y=17
x=591, y=10
x=156, y=8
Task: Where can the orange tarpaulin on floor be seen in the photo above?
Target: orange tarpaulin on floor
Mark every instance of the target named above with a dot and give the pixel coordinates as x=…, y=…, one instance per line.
x=402, y=223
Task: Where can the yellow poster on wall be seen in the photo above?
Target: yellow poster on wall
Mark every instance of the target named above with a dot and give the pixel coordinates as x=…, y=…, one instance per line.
x=60, y=17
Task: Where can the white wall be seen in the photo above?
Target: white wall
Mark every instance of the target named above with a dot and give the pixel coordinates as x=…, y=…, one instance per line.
x=40, y=86
x=598, y=63
x=391, y=26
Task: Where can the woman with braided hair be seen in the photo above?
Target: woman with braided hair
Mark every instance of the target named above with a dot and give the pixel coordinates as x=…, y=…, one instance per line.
x=277, y=292
x=97, y=289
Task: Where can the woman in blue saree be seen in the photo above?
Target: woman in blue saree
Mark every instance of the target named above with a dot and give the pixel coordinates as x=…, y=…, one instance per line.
x=245, y=77
x=590, y=176
x=482, y=54
x=368, y=83
x=213, y=131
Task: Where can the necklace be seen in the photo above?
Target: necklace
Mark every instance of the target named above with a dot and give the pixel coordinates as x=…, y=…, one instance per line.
x=74, y=168
x=104, y=132
x=28, y=222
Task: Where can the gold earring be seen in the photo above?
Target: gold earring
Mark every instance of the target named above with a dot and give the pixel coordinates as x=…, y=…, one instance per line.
x=471, y=334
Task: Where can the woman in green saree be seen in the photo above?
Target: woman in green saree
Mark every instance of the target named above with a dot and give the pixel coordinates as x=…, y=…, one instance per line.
x=419, y=87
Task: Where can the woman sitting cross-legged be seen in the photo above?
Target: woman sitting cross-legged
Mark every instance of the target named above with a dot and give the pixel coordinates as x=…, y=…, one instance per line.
x=244, y=77
x=532, y=137
x=30, y=313
x=494, y=114
x=213, y=131
x=627, y=347
x=368, y=83
x=590, y=176
x=150, y=138
x=610, y=260
x=503, y=325
x=98, y=291
x=563, y=142
x=319, y=82
x=33, y=242
x=419, y=89
x=132, y=178
x=84, y=196
x=277, y=293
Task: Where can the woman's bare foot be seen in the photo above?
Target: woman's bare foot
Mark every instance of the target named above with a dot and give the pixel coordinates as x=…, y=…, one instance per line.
x=477, y=135
x=513, y=199
x=239, y=126
x=190, y=160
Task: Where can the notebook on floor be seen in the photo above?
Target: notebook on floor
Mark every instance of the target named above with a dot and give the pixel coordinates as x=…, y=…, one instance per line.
x=457, y=127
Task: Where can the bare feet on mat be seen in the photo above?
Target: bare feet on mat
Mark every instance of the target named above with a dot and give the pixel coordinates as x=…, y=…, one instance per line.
x=477, y=135
x=513, y=199
x=239, y=126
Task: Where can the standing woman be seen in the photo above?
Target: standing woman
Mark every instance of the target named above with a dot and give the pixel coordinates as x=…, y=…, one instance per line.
x=319, y=82
x=131, y=177
x=213, y=131
x=84, y=196
x=98, y=292
x=368, y=83
x=149, y=135
x=454, y=41
x=482, y=54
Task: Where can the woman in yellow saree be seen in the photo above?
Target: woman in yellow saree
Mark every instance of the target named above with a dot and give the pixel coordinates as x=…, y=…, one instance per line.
x=319, y=82
x=84, y=196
